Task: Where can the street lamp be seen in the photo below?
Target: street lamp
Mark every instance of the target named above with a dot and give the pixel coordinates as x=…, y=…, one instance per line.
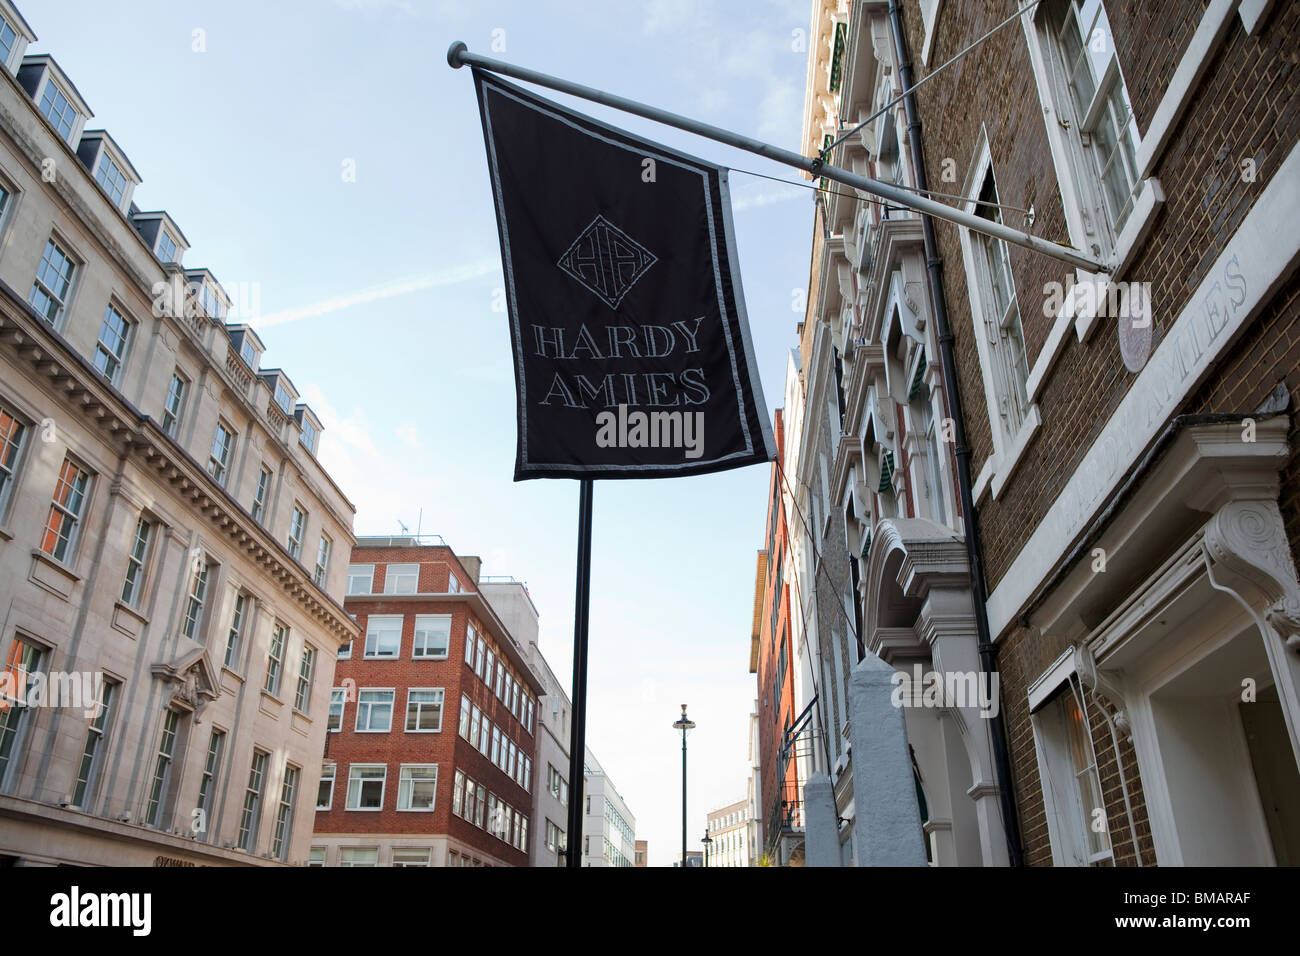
x=684, y=725
x=707, y=841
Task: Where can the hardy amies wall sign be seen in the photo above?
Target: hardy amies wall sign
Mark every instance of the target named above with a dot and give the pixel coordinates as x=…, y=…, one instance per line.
x=627, y=320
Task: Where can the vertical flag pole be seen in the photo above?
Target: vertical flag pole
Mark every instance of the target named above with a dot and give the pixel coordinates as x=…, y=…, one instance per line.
x=578, y=730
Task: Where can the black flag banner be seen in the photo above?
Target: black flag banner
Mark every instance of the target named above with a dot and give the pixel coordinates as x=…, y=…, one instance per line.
x=632, y=350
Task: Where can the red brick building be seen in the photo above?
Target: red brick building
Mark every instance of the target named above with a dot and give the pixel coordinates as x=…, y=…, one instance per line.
x=428, y=759
x=772, y=659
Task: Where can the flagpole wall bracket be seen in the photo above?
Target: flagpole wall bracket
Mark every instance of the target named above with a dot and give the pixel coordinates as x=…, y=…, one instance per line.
x=453, y=54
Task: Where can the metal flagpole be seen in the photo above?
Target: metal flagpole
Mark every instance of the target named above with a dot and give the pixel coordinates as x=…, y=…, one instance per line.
x=458, y=55
x=578, y=730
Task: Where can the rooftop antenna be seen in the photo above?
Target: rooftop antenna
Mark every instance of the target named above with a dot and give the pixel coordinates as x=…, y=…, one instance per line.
x=402, y=524
x=419, y=523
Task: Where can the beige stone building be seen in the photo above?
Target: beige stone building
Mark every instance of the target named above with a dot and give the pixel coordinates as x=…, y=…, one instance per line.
x=169, y=593
x=728, y=829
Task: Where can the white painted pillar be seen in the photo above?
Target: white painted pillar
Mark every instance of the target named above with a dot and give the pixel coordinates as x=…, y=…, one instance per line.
x=821, y=823
x=887, y=831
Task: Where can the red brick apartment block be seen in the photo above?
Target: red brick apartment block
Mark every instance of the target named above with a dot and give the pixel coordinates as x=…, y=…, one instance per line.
x=772, y=659
x=429, y=756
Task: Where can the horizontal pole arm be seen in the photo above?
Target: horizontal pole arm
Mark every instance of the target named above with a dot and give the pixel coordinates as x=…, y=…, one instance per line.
x=458, y=55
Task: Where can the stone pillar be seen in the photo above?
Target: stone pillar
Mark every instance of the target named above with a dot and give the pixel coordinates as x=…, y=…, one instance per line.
x=821, y=823
x=887, y=829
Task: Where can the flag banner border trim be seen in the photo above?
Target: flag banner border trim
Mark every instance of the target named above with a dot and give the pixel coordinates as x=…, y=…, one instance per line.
x=765, y=450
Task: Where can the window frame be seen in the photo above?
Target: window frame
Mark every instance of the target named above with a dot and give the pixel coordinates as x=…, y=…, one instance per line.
x=71, y=114
x=1008, y=448
x=137, y=564
x=210, y=774
x=92, y=752
x=306, y=679
x=298, y=523
x=235, y=633
x=171, y=418
x=324, y=548
x=156, y=806
x=392, y=574
x=333, y=776
x=420, y=710
x=250, y=813
x=282, y=836
x=70, y=543
x=276, y=649
x=371, y=621
x=164, y=234
x=115, y=359
x=121, y=183
x=354, y=573
x=403, y=791
x=196, y=598
x=416, y=649
x=361, y=781
x=15, y=451
x=28, y=656
x=40, y=285
x=258, y=511
x=1067, y=817
x=368, y=707
x=219, y=467
x=339, y=696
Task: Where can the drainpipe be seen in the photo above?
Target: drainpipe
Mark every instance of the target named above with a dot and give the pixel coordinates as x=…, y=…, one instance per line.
x=938, y=307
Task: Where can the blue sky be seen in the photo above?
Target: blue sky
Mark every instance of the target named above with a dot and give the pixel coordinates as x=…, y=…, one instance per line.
x=376, y=295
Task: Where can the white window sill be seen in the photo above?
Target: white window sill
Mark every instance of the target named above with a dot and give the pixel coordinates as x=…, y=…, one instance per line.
x=1007, y=462
x=1134, y=236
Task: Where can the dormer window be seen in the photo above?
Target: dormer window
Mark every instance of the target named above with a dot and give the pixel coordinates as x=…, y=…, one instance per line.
x=245, y=341
x=58, y=109
x=166, y=246
x=210, y=302
x=15, y=34
x=164, y=237
x=110, y=176
x=109, y=167
x=7, y=39
x=308, y=437
x=52, y=92
x=283, y=398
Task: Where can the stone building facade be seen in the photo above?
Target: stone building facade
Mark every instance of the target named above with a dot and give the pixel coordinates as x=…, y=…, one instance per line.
x=168, y=539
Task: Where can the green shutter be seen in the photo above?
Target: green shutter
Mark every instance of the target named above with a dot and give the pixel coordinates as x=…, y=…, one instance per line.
x=886, y=473
x=837, y=59
x=918, y=379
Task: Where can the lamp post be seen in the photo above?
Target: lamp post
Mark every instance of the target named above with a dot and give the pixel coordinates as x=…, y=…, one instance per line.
x=707, y=841
x=684, y=725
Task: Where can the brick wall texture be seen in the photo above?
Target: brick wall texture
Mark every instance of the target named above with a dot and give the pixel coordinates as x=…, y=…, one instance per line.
x=1246, y=106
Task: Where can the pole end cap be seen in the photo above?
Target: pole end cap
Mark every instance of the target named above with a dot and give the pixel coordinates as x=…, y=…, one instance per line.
x=453, y=54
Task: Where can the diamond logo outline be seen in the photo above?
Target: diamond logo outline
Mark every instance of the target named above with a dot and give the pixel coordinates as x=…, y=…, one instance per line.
x=598, y=257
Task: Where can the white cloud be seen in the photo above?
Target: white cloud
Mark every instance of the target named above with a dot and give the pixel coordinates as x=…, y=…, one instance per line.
x=374, y=481
x=433, y=280
x=408, y=435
